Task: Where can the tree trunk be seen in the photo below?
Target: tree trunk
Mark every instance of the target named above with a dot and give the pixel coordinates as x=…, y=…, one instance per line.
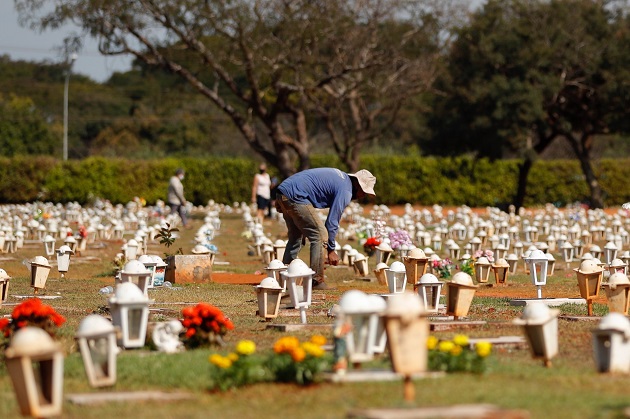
x=523, y=174
x=582, y=148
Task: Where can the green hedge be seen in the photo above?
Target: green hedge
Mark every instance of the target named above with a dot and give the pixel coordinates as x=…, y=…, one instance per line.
x=421, y=180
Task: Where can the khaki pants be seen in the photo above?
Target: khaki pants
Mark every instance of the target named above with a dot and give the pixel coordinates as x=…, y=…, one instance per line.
x=303, y=221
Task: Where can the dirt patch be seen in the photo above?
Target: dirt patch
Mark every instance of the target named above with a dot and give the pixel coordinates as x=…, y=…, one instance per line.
x=230, y=278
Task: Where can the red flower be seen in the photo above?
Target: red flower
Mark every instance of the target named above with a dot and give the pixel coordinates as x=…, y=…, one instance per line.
x=190, y=332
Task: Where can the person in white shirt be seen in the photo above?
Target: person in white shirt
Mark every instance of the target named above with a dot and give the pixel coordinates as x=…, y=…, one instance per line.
x=175, y=196
x=261, y=192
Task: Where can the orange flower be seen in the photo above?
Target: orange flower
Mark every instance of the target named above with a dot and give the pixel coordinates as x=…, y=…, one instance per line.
x=298, y=354
x=190, y=332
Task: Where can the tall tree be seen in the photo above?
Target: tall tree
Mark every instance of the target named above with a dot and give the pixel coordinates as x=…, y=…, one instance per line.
x=525, y=73
x=23, y=129
x=255, y=60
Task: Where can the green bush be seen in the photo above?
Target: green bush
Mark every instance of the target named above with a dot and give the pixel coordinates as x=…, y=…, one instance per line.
x=401, y=179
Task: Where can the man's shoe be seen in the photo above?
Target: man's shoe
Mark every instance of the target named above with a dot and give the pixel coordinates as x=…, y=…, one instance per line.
x=321, y=286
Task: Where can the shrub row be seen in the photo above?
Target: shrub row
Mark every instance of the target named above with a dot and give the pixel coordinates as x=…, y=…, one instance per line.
x=421, y=180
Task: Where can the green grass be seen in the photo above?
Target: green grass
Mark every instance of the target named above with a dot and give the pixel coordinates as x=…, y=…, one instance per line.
x=571, y=388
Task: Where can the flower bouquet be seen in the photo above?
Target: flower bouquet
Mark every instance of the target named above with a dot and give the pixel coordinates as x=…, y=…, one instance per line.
x=398, y=238
x=370, y=245
x=457, y=356
x=442, y=268
x=295, y=362
x=291, y=361
x=205, y=325
x=488, y=254
x=34, y=313
x=239, y=368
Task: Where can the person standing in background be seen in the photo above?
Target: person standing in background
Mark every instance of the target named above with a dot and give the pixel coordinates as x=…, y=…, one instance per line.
x=175, y=196
x=261, y=192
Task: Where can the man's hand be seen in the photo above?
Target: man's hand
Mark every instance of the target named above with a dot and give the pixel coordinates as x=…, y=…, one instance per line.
x=333, y=258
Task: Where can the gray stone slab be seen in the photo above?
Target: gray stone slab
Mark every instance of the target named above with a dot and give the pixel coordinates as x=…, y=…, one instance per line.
x=501, y=341
x=462, y=411
x=41, y=297
x=360, y=376
x=98, y=398
x=457, y=324
x=296, y=327
x=580, y=318
x=551, y=302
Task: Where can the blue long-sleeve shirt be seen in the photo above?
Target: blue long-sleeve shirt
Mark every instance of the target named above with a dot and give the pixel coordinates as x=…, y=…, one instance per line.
x=323, y=188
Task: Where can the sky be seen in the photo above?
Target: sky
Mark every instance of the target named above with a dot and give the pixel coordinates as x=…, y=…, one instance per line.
x=25, y=44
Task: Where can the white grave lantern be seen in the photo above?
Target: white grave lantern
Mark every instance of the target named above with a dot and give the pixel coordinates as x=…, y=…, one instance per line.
x=273, y=271
x=482, y=269
x=380, y=272
x=63, y=259
x=429, y=289
x=35, y=364
x=501, y=269
x=150, y=265
x=19, y=239
x=350, y=256
x=617, y=292
x=96, y=337
x=299, y=282
x=518, y=249
x=475, y=244
x=361, y=265
x=136, y=273
x=268, y=293
x=551, y=264
x=415, y=264
x=459, y=231
x=540, y=324
x=459, y=294
x=131, y=249
x=278, y=249
x=383, y=252
x=595, y=251
x=343, y=253
x=49, y=245
x=611, y=344
x=130, y=313
x=537, y=263
x=267, y=253
x=610, y=252
x=407, y=333
x=589, y=276
x=396, y=278
x=4, y=286
x=512, y=260
x=39, y=273
x=160, y=271
x=436, y=242
x=617, y=265
x=454, y=251
x=364, y=313
x=71, y=242
x=578, y=249
x=567, y=253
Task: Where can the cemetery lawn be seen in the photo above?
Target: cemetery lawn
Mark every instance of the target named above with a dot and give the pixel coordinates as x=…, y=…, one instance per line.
x=571, y=388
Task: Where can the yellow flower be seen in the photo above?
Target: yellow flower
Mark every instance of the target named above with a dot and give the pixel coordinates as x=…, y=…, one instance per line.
x=246, y=347
x=220, y=361
x=232, y=357
x=445, y=346
x=312, y=349
x=318, y=340
x=298, y=354
x=432, y=342
x=483, y=348
x=286, y=344
x=457, y=350
x=461, y=340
